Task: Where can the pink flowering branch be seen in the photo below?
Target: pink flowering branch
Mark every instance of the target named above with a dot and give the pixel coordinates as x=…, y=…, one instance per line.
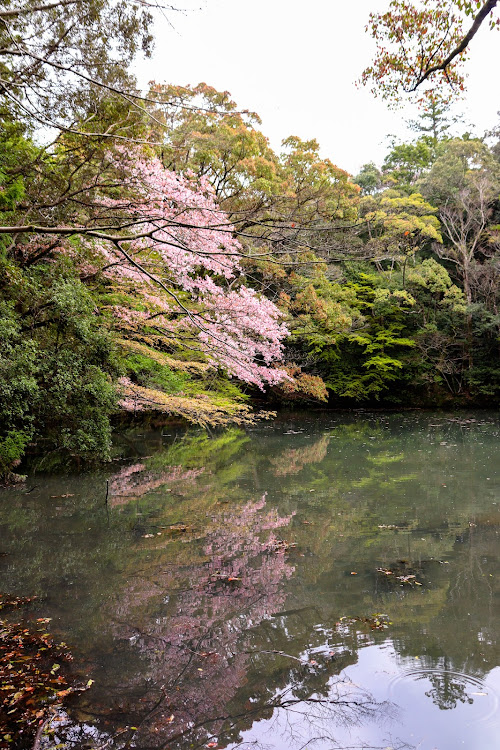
x=167, y=231
x=186, y=246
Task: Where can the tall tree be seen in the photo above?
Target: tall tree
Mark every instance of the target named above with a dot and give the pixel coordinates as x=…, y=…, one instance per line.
x=369, y=178
x=52, y=53
x=435, y=119
x=406, y=163
x=464, y=182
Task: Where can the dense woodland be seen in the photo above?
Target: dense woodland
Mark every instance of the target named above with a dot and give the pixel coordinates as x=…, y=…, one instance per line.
x=158, y=257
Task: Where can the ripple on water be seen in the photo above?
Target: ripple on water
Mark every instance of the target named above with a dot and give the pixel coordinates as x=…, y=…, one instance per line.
x=449, y=688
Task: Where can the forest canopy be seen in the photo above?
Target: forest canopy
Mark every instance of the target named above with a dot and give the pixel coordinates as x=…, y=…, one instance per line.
x=159, y=257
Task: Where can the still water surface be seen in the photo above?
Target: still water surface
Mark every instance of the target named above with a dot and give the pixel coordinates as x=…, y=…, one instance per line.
x=318, y=582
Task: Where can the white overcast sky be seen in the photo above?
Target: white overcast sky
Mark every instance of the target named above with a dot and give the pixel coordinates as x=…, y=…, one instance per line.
x=295, y=63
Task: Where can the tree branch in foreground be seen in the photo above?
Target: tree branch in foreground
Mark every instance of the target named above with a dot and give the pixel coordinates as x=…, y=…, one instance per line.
x=484, y=12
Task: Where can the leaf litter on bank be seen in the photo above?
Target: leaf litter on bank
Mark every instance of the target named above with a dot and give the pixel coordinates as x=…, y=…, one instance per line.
x=34, y=677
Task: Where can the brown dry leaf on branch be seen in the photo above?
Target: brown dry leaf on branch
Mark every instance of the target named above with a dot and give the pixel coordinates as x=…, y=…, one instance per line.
x=201, y=410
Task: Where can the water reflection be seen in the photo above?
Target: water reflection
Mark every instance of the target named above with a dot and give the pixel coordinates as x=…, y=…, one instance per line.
x=241, y=586
x=189, y=622
x=293, y=460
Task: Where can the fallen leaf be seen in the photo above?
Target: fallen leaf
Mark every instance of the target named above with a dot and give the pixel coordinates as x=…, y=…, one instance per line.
x=64, y=693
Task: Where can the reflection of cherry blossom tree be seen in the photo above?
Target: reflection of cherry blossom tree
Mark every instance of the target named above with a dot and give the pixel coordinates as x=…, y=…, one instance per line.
x=196, y=641
x=136, y=480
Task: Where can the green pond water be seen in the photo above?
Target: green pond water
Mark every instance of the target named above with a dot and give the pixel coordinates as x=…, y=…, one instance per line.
x=321, y=581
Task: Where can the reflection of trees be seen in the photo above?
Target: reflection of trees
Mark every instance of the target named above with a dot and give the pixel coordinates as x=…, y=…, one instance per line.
x=459, y=632
x=201, y=631
x=292, y=461
x=134, y=481
x=190, y=623
x=313, y=721
x=211, y=657
x=447, y=688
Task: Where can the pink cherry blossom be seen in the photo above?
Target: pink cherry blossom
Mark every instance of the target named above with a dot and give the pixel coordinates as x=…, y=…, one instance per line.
x=183, y=259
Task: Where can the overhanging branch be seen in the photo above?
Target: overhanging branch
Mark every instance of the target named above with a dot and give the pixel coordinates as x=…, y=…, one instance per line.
x=478, y=20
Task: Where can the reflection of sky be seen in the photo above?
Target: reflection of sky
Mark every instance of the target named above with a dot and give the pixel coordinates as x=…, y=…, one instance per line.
x=188, y=573
x=471, y=726
x=413, y=720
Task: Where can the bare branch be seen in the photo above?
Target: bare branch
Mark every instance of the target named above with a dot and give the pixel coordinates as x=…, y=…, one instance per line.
x=35, y=9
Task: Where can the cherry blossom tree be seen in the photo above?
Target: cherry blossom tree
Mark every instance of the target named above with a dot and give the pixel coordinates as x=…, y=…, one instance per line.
x=162, y=237
x=184, y=260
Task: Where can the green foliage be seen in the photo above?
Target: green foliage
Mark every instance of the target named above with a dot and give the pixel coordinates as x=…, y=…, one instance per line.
x=430, y=275
x=149, y=373
x=321, y=309
x=18, y=389
x=15, y=149
x=353, y=331
x=78, y=399
x=12, y=447
x=406, y=163
x=56, y=365
x=369, y=179
x=366, y=362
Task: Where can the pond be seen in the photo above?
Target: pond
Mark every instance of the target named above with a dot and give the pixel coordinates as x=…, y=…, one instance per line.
x=319, y=581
